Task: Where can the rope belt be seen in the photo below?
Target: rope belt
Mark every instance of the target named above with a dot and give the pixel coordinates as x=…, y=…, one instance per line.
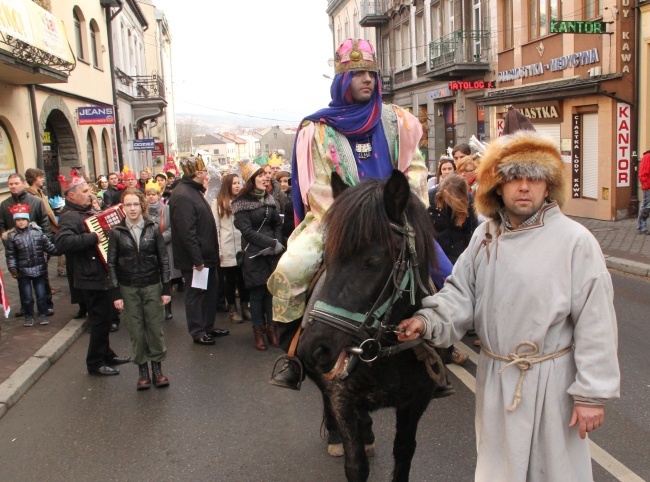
x=520, y=359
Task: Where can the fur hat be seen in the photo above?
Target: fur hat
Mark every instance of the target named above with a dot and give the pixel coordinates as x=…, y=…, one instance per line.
x=522, y=154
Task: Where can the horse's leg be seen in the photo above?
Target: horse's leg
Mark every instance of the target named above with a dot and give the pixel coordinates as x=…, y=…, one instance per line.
x=334, y=441
x=367, y=435
x=408, y=417
x=356, y=461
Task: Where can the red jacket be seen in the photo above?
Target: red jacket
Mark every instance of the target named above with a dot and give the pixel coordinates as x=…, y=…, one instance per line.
x=644, y=171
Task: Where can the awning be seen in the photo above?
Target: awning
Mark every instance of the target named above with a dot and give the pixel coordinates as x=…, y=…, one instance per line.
x=562, y=89
x=32, y=41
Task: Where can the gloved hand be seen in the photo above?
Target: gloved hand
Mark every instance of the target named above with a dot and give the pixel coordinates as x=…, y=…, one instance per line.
x=278, y=247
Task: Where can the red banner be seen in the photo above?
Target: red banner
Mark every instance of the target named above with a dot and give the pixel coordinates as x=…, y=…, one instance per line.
x=159, y=150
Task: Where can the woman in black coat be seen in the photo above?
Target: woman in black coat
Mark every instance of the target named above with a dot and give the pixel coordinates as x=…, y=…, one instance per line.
x=258, y=220
x=451, y=207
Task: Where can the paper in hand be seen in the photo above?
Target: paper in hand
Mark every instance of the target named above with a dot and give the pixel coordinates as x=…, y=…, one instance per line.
x=200, y=278
x=264, y=252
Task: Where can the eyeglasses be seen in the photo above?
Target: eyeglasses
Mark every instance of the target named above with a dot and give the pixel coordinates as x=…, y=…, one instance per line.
x=131, y=205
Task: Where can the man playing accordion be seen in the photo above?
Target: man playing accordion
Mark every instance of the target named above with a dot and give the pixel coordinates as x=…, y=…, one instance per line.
x=89, y=273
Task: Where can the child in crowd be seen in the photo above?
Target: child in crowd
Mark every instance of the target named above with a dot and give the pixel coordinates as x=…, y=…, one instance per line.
x=25, y=252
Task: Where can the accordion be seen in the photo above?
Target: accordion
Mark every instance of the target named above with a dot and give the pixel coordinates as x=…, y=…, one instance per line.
x=102, y=223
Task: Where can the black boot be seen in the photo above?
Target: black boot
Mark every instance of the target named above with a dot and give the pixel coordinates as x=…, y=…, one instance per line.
x=159, y=380
x=144, y=382
x=168, y=311
x=289, y=375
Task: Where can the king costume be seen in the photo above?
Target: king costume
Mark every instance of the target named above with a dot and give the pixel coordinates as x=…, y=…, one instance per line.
x=357, y=140
x=541, y=286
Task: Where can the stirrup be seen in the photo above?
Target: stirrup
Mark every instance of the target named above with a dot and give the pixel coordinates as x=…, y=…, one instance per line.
x=280, y=362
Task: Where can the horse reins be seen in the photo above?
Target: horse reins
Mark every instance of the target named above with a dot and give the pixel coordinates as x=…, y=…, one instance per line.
x=369, y=328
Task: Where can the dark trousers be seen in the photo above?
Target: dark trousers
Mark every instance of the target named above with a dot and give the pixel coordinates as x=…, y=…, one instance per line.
x=100, y=314
x=261, y=304
x=27, y=301
x=47, y=295
x=200, y=305
x=221, y=286
x=234, y=280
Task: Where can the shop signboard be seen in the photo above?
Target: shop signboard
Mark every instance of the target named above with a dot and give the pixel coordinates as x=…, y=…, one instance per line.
x=576, y=154
x=472, y=85
x=144, y=144
x=159, y=149
x=27, y=22
x=623, y=130
x=577, y=26
x=95, y=115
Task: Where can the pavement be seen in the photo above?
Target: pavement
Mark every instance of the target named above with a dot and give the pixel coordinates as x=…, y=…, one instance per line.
x=27, y=353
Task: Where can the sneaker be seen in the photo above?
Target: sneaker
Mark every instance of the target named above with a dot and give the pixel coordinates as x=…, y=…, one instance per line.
x=43, y=321
x=458, y=357
x=29, y=322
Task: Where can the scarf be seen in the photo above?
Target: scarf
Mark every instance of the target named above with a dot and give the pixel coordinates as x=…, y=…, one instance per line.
x=359, y=123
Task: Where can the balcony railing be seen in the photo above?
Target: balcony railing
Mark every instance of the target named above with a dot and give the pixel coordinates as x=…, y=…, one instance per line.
x=373, y=13
x=148, y=86
x=461, y=50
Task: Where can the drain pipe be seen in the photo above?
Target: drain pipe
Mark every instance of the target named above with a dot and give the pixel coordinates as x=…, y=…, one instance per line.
x=633, y=206
x=108, y=4
x=40, y=163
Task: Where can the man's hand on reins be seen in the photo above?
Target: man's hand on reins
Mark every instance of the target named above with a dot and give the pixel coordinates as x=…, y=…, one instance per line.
x=412, y=328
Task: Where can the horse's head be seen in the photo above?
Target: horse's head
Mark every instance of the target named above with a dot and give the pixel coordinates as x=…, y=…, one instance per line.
x=378, y=251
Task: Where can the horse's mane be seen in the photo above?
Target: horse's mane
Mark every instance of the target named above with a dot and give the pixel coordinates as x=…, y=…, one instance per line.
x=357, y=219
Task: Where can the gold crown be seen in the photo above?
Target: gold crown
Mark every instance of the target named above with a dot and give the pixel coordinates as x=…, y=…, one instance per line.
x=355, y=54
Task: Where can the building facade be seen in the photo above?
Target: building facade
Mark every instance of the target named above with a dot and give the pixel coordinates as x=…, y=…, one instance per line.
x=55, y=95
x=570, y=66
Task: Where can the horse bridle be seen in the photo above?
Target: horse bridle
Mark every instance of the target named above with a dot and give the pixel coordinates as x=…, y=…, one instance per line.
x=369, y=328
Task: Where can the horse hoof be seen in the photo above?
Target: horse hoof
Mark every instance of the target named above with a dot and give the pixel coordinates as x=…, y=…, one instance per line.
x=335, y=450
x=370, y=450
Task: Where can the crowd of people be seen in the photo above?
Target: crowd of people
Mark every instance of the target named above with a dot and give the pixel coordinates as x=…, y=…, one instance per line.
x=168, y=234
x=535, y=292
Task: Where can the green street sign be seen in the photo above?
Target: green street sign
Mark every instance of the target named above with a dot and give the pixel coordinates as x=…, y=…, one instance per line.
x=577, y=26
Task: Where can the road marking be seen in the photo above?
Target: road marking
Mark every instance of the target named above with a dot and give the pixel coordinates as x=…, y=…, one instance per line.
x=599, y=455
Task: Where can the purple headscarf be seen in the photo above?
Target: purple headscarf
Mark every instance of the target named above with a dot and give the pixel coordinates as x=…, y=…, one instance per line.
x=356, y=122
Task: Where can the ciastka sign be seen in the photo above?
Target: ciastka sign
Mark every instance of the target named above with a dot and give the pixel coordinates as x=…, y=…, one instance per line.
x=623, y=129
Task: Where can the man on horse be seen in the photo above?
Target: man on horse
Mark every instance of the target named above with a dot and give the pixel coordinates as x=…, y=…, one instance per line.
x=534, y=285
x=359, y=138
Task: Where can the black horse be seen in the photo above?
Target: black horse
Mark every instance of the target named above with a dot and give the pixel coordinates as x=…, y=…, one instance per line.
x=378, y=252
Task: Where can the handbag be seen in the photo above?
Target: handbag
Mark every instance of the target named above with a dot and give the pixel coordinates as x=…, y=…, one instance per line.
x=239, y=256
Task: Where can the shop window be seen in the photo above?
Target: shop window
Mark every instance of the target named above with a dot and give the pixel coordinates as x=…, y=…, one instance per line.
x=590, y=156
x=540, y=14
x=7, y=157
x=593, y=8
x=105, y=144
x=506, y=6
x=451, y=117
x=90, y=153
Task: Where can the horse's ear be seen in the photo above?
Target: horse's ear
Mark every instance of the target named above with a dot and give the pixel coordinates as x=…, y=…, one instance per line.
x=396, y=196
x=338, y=186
